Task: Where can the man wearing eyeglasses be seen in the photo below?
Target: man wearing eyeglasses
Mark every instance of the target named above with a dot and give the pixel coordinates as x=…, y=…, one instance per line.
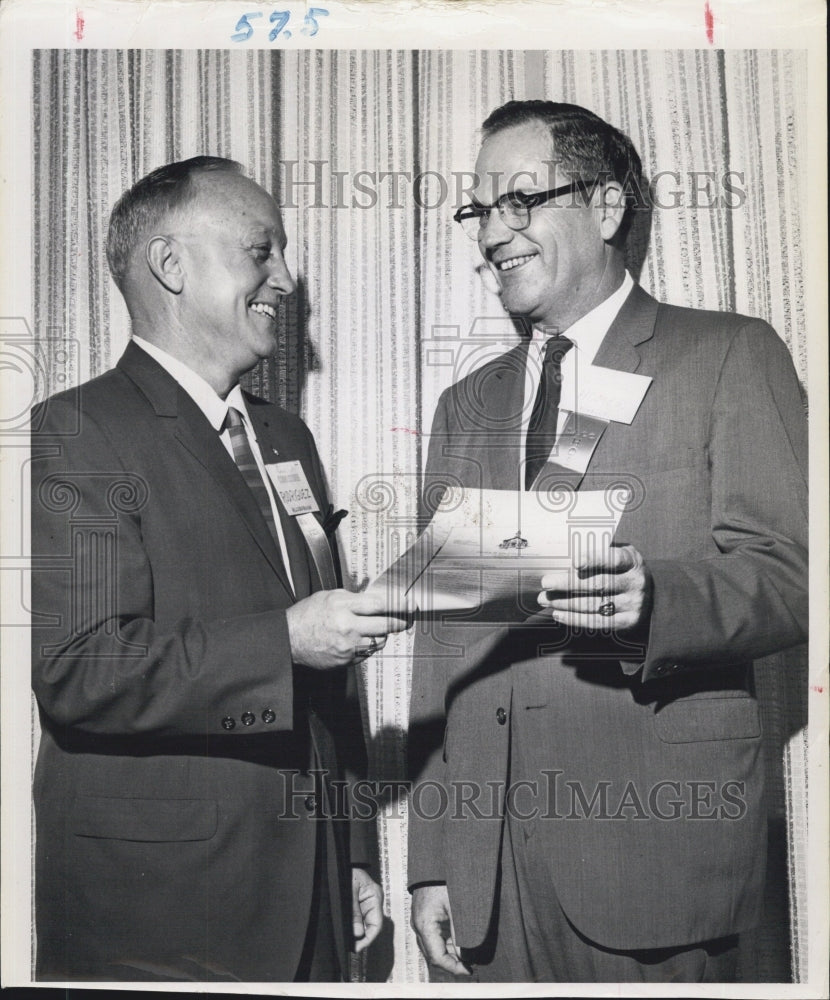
x=602, y=757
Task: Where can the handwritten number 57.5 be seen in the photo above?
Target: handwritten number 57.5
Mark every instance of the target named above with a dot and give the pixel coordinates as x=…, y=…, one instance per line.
x=279, y=18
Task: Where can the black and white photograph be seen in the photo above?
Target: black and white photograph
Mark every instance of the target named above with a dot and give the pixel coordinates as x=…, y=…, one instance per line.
x=412, y=527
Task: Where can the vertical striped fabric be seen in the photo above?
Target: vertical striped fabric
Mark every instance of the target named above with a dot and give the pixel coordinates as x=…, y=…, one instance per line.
x=390, y=307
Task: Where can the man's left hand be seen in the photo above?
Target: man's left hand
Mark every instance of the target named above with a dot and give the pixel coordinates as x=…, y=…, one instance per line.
x=367, y=908
x=610, y=592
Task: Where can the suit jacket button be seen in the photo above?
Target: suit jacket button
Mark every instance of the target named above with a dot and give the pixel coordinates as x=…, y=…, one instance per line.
x=310, y=802
x=501, y=716
x=269, y=715
x=228, y=722
x=675, y=667
x=248, y=718
x=661, y=669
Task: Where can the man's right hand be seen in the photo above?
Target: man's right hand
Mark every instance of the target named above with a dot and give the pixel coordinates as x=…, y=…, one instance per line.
x=432, y=923
x=334, y=627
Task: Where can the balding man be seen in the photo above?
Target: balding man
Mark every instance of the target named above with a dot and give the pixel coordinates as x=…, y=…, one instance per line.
x=191, y=649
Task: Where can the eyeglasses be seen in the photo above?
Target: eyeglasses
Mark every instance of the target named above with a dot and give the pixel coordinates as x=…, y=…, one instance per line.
x=513, y=207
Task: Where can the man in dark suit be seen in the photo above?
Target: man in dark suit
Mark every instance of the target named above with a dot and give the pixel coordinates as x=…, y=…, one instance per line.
x=191, y=651
x=615, y=730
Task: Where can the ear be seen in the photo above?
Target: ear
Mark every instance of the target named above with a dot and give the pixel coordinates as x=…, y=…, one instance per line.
x=612, y=210
x=163, y=261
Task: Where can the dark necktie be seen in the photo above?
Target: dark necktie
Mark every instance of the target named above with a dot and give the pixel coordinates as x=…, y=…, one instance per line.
x=294, y=542
x=541, y=431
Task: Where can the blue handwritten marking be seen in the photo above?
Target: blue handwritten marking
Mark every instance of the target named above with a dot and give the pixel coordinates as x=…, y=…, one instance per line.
x=311, y=20
x=244, y=29
x=281, y=18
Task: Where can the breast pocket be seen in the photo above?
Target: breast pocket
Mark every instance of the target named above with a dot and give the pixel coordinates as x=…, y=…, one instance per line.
x=697, y=720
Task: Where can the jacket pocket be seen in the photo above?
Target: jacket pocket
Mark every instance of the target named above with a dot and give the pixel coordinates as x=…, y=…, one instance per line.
x=693, y=720
x=143, y=819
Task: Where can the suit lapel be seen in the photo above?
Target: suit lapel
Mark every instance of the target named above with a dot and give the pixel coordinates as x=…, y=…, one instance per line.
x=194, y=433
x=620, y=350
x=279, y=441
x=503, y=401
x=632, y=326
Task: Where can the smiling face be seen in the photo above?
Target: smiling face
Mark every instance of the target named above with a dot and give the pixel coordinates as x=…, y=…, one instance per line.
x=563, y=264
x=230, y=249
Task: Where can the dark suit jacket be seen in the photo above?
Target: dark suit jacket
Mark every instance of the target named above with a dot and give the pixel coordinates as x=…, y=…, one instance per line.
x=667, y=737
x=172, y=840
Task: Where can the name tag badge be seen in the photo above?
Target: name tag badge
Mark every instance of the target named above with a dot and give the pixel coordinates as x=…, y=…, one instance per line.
x=577, y=442
x=606, y=393
x=292, y=487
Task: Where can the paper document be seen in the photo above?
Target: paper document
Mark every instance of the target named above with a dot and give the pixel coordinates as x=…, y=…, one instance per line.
x=491, y=547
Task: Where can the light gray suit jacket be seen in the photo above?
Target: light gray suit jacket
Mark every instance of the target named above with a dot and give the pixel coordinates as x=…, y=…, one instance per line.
x=716, y=459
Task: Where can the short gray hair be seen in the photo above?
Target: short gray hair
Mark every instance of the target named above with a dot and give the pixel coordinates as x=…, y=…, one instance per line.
x=139, y=210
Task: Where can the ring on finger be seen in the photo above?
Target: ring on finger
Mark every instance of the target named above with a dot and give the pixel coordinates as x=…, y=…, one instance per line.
x=366, y=651
x=607, y=610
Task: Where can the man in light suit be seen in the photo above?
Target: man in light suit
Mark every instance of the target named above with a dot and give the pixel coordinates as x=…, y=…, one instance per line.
x=625, y=838
x=192, y=655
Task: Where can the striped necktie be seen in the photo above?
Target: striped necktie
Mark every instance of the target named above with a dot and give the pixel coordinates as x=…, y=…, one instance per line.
x=294, y=542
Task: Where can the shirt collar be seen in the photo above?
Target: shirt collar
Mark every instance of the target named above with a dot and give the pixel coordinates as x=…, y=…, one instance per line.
x=588, y=332
x=212, y=405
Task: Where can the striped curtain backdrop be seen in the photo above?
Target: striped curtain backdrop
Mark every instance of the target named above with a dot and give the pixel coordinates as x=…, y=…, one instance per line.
x=370, y=152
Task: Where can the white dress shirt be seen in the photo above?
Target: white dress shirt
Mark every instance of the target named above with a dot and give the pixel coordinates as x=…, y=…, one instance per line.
x=586, y=334
x=215, y=410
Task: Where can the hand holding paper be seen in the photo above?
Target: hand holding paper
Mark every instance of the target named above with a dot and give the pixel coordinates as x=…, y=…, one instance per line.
x=608, y=591
x=487, y=549
x=332, y=627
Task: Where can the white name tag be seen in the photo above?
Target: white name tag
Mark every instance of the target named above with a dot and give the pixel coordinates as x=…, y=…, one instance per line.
x=607, y=393
x=292, y=487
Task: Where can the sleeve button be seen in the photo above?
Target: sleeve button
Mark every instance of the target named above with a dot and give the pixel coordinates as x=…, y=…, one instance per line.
x=248, y=718
x=228, y=723
x=269, y=715
x=501, y=716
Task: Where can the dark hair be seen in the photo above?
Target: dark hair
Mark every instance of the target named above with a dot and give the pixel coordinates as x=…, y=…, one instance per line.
x=149, y=200
x=583, y=144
